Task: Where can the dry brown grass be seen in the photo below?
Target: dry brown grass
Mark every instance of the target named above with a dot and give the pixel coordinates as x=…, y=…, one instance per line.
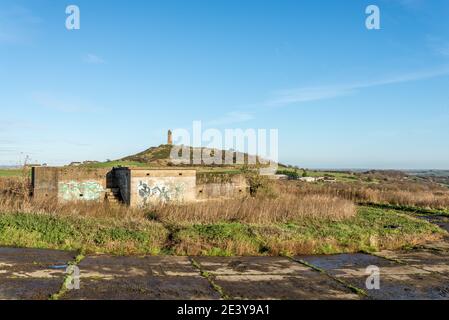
x=15, y=186
x=400, y=194
x=249, y=210
x=270, y=206
x=283, y=209
x=284, y=218
x=15, y=204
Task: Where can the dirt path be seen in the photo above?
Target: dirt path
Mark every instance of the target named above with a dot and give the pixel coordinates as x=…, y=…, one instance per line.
x=39, y=274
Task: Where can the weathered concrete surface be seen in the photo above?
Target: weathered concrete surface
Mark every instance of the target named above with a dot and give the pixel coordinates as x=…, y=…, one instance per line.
x=397, y=281
x=271, y=278
x=36, y=274
x=214, y=187
x=107, y=277
x=429, y=260
x=30, y=273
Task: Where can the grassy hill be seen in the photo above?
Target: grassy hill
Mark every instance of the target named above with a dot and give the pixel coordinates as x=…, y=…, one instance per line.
x=160, y=157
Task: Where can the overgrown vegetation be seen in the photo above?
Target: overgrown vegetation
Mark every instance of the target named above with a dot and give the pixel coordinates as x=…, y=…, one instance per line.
x=259, y=210
x=292, y=174
x=221, y=228
x=280, y=218
x=100, y=235
x=396, y=193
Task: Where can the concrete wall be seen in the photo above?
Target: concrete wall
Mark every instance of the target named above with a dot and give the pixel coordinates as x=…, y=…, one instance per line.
x=166, y=185
x=232, y=187
x=138, y=187
x=70, y=184
x=45, y=182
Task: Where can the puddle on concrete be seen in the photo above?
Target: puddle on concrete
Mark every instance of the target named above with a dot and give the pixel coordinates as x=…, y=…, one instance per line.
x=441, y=221
x=272, y=278
x=26, y=273
x=397, y=281
x=140, y=278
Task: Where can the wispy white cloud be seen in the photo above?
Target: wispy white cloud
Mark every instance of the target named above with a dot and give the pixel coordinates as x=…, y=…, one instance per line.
x=438, y=45
x=62, y=104
x=307, y=94
x=231, y=118
x=18, y=25
x=94, y=59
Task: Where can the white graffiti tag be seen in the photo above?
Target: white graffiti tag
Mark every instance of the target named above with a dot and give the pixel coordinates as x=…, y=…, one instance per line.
x=161, y=193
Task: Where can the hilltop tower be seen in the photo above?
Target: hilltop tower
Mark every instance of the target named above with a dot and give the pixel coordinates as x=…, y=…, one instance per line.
x=170, y=138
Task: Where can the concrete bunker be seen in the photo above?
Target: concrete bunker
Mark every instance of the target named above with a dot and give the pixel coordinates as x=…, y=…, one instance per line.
x=136, y=187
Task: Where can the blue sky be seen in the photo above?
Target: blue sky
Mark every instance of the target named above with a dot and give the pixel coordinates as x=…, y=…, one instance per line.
x=340, y=95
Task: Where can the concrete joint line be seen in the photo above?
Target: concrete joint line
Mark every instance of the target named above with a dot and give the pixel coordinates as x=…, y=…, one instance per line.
x=62, y=291
x=354, y=289
x=403, y=263
x=210, y=278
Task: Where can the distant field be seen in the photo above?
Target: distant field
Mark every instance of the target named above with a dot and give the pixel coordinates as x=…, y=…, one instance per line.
x=339, y=176
x=11, y=172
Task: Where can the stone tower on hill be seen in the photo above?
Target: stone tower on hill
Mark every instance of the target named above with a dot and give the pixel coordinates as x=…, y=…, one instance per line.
x=170, y=138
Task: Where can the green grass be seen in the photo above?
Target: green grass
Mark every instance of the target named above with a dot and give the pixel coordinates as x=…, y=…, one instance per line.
x=411, y=209
x=85, y=234
x=11, y=172
x=118, y=163
x=339, y=176
x=370, y=230
x=222, y=239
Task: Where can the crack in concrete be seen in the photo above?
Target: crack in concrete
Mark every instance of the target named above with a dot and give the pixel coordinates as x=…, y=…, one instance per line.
x=404, y=263
x=62, y=291
x=210, y=278
x=349, y=286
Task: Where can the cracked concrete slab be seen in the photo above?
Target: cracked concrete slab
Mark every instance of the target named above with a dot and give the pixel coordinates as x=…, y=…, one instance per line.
x=271, y=278
x=429, y=260
x=397, y=281
x=30, y=274
x=108, y=277
x=36, y=274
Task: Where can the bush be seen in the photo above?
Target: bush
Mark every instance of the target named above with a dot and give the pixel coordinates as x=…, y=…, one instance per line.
x=294, y=175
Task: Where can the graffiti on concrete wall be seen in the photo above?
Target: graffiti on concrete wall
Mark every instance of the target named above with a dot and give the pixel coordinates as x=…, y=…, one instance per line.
x=159, y=192
x=73, y=190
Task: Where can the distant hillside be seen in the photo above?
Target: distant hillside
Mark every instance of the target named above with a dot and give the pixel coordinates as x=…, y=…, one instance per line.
x=155, y=156
x=160, y=156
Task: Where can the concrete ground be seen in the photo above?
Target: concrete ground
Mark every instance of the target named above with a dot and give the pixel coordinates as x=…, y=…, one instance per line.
x=38, y=274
